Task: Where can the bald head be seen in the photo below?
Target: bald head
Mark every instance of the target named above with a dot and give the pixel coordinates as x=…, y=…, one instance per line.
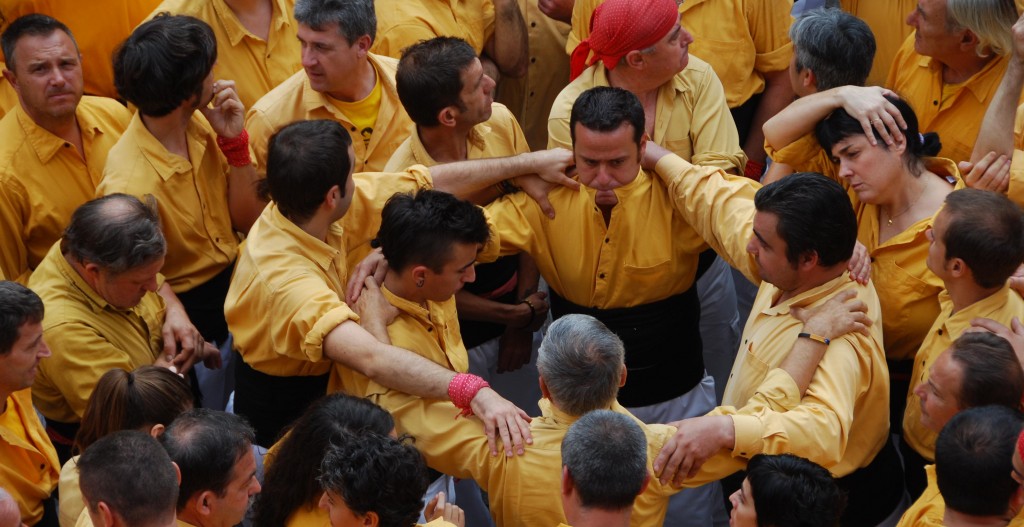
x=116, y=232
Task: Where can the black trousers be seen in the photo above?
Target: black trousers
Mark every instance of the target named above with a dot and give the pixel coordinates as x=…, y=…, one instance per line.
x=271, y=403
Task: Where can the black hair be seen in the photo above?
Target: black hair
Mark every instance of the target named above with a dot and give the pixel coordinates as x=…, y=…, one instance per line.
x=19, y=305
x=986, y=231
x=792, y=491
x=206, y=444
x=304, y=160
x=605, y=109
x=429, y=77
x=421, y=228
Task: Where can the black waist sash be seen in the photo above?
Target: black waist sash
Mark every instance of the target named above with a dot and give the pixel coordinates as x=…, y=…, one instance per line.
x=664, y=354
x=204, y=304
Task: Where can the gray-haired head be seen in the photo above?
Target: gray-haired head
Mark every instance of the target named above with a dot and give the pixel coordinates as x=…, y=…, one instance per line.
x=355, y=18
x=837, y=46
x=116, y=232
x=581, y=362
x=606, y=455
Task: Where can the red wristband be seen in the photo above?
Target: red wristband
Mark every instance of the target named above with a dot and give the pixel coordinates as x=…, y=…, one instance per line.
x=463, y=389
x=236, y=149
x=753, y=170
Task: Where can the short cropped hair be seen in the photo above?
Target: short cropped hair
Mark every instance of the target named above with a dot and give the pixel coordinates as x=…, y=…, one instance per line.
x=206, y=444
x=791, y=490
x=116, y=232
x=606, y=455
x=429, y=77
x=990, y=371
x=164, y=62
x=581, y=362
x=986, y=231
x=355, y=18
x=304, y=160
x=837, y=46
x=605, y=109
x=814, y=215
x=990, y=20
x=129, y=472
x=36, y=25
x=421, y=228
x=19, y=305
x=377, y=473
x=973, y=460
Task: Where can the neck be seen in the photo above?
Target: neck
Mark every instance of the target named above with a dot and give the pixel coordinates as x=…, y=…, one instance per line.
x=953, y=518
x=630, y=80
x=965, y=292
x=65, y=128
x=170, y=129
x=590, y=517
x=958, y=69
x=816, y=277
x=444, y=144
x=317, y=226
x=362, y=83
x=80, y=270
x=254, y=15
x=906, y=194
x=403, y=287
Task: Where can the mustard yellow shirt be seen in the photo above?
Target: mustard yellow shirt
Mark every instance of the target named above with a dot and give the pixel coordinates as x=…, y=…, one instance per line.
x=87, y=337
x=401, y=24
x=929, y=509
x=907, y=289
x=692, y=119
x=191, y=197
x=256, y=65
x=294, y=100
x=8, y=97
x=71, y=502
x=887, y=21
x=530, y=96
x=499, y=136
x=1001, y=307
x=283, y=270
x=951, y=110
x=1016, y=190
x=28, y=462
x=43, y=179
x=98, y=30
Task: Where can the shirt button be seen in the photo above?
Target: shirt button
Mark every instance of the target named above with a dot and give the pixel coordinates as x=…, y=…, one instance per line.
x=533, y=60
x=940, y=331
x=600, y=275
x=533, y=24
x=67, y=145
x=935, y=103
x=430, y=330
x=606, y=240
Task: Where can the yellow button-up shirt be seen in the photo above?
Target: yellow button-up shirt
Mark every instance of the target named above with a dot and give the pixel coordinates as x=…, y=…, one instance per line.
x=907, y=289
x=951, y=110
x=1002, y=306
x=8, y=97
x=43, y=179
x=401, y=24
x=28, y=462
x=887, y=21
x=1016, y=190
x=256, y=65
x=191, y=197
x=294, y=100
x=930, y=508
x=283, y=270
x=87, y=337
x=71, y=502
x=499, y=136
x=691, y=117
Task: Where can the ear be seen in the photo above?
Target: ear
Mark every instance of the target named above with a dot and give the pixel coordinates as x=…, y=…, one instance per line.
x=899, y=147
x=447, y=115
x=419, y=273
x=567, y=483
x=11, y=78
x=371, y=519
x=363, y=44
x=969, y=41
x=544, y=388
x=643, y=146
x=92, y=270
x=647, y=481
x=807, y=261
x=104, y=514
x=635, y=59
x=177, y=472
x=622, y=376
x=332, y=197
x=808, y=79
x=157, y=430
x=958, y=267
x=205, y=503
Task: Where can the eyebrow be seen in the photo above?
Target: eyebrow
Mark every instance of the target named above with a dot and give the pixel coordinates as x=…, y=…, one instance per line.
x=759, y=237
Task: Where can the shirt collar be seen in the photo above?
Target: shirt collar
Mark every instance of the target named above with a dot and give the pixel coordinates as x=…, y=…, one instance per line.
x=980, y=90
x=319, y=252
x=960, y=321
x=807, y=297
x=156, y=155
x=45, y=144
x=76, y=281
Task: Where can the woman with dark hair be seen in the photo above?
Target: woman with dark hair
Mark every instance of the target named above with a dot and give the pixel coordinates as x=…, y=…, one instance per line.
x=868, y=140
x=786, y=491
x=146, y=399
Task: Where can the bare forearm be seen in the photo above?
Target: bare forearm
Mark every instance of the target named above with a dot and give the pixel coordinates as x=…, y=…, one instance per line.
x=464, y=178
x=473, y=307
x=778, y=93
x=996, y=134
x=508, y=46
x=244, y=203
x=799, y=118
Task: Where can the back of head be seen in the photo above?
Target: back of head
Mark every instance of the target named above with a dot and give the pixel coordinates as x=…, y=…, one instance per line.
x=206, y=444
x=355, y=18
x=116, y=232
x=990, y=20
x=606, y=455
x=973, y=460
x=19, y=305
x=581, y=362
x=420, y=228
x=164, y=62
x=605, y=109
x=290, y=480
x=36, y=25
x=814, y=214
x=429, y=77
x=991, y=374
x=792, y=491
x=837, y=46
x=132, y=475
x=379, y=474
x=304, y=160
x=986, y=231
x=150, y=395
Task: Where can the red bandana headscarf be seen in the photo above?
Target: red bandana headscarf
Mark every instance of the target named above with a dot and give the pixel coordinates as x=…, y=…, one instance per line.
x=621, y=26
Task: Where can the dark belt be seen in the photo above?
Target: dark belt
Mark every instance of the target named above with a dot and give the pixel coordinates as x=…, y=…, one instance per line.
x=663, y=347
x=204, y=304
x=271, y=403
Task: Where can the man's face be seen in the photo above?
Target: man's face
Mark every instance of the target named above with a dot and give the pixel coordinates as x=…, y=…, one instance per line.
x=329, y=59
x=932, y=37
x=936, y=261
x=47, y=75
x=606, y=161
x=349, y=190
x=477, y=94
x=230, y=509
x=939, y=393
x=670, y=54
x=125, y=290
x=338, y=511
x=770, y=252
x=743, y=513
x=459, y=271
x=18, y=367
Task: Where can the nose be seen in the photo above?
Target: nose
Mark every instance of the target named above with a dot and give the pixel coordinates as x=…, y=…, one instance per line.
x=489, y=86
x=308, y=59
x=844, y=170
x=734, y=498
x=685, y=38
x=752, y=246
x=323, y=501
x=919, y=391
x=256, y=488
x=912, y=18
x=151, y=285
x=44, y=350
x=470, y=275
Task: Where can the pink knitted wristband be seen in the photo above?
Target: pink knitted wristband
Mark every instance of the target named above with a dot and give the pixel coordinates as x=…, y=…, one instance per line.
x=463, y=389
x=236, y=149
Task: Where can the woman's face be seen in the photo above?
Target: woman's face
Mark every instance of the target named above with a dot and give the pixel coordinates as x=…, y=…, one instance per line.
x=743, y=513
x=872, y=171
